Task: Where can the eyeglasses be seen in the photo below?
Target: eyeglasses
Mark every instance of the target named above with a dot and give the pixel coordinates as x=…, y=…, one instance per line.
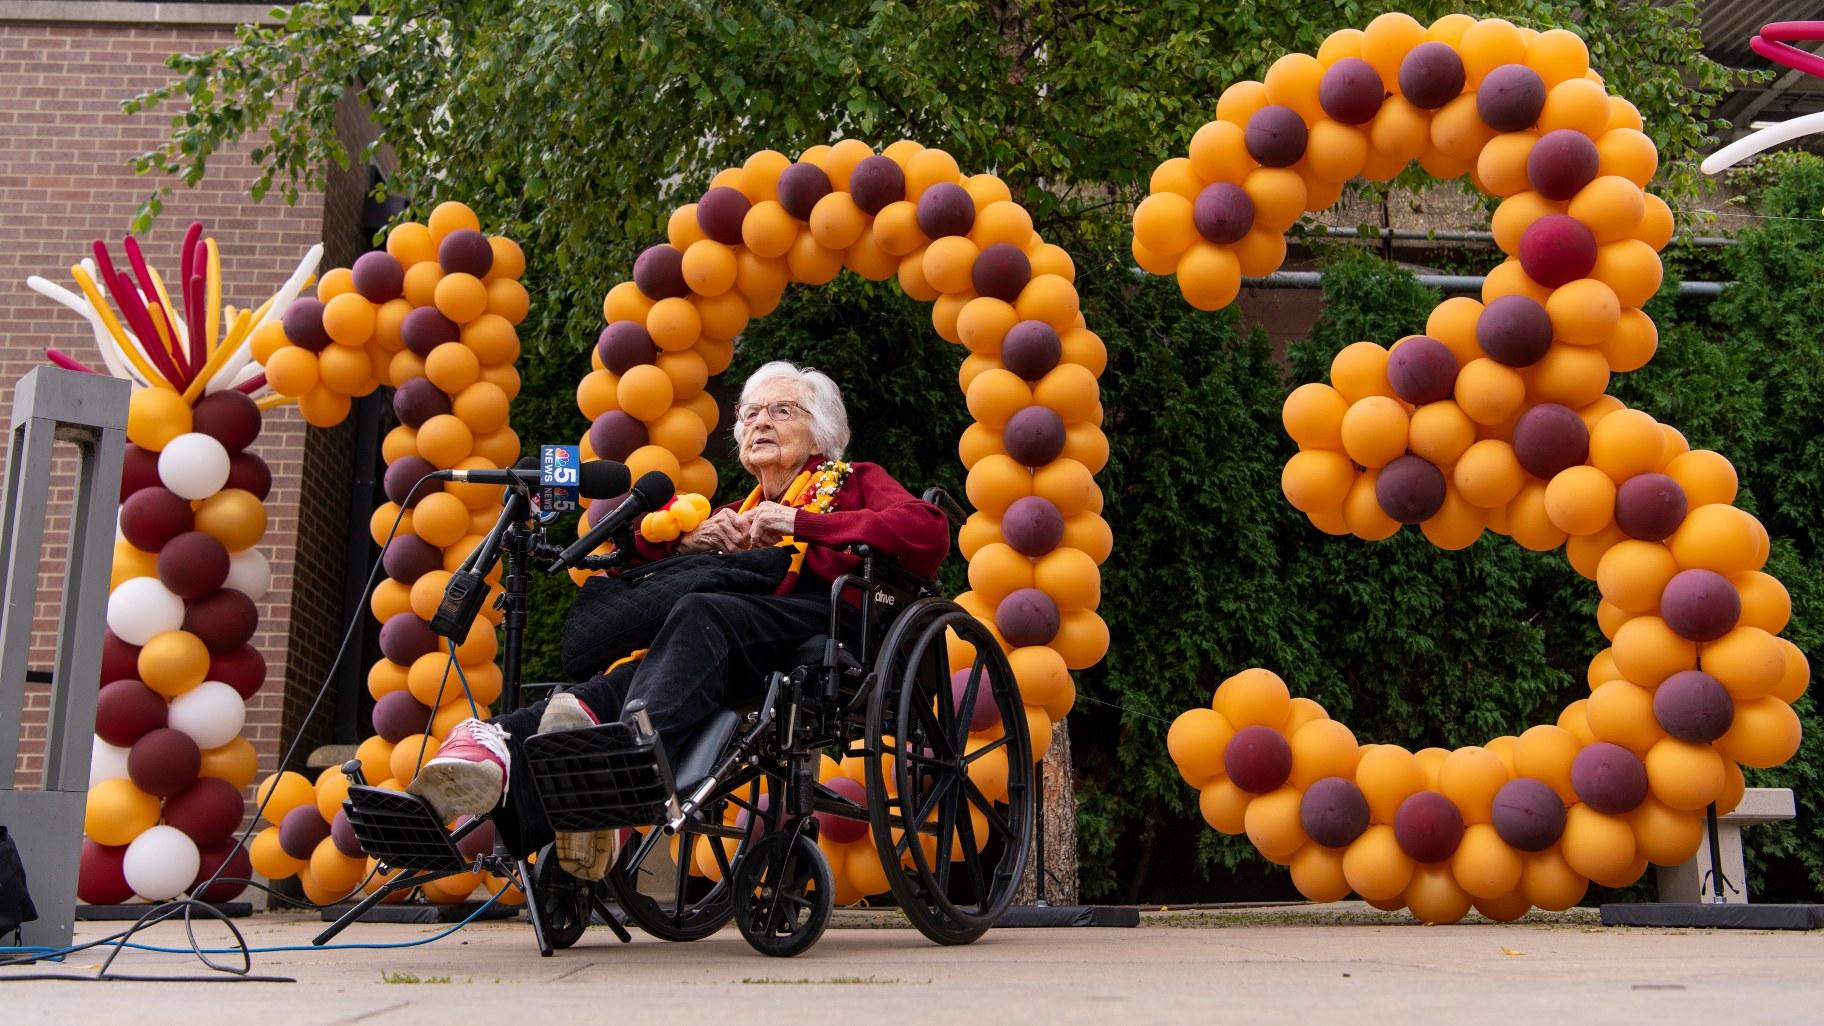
x=749, y=413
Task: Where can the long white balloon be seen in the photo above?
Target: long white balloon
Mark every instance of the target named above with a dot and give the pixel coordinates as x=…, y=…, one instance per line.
x=230, y=374
x=1765, y=139
x=110, y=353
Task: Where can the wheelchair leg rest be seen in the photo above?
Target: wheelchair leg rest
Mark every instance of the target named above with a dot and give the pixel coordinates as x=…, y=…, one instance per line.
x=614, y=923
x=393, y=886
x=523, y=877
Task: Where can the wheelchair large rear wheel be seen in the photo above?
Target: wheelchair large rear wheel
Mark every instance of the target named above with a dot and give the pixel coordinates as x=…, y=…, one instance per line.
x=952, y=837
x=663, y=894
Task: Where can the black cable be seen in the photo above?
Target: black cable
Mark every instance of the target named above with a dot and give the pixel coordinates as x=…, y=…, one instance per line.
x=165, y=910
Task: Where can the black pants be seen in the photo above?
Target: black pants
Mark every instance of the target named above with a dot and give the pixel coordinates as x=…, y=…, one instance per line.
x=714, y=650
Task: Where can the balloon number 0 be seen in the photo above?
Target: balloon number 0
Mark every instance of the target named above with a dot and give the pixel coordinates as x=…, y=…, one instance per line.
x=1496, y=418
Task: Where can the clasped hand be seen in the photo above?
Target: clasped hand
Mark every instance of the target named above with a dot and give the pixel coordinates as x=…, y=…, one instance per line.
x=729, y=531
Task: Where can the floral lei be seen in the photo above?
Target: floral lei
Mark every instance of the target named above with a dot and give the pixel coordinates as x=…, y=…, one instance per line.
x=825, y=482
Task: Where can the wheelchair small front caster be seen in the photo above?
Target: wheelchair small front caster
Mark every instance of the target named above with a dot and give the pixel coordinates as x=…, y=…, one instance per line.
x=564, y=902
x=783, y=894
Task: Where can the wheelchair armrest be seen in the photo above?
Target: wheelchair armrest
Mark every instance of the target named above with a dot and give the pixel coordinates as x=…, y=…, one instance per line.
x=945, y=501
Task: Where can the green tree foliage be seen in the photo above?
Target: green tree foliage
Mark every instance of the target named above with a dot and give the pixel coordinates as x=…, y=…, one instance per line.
x=577, y=128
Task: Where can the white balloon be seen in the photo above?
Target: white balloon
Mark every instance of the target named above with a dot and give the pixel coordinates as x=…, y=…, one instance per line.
x=141, y=609
x=194, y=466
x=1765, y=139
x=249, y=573
x=161, y=863
x=106, y=762
x=211, y=713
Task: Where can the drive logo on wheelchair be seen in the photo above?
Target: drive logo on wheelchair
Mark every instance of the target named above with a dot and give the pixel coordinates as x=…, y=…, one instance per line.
x=884, y=597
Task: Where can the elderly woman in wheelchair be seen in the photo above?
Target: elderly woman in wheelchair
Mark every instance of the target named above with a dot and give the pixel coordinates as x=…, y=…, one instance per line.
x=856, y=540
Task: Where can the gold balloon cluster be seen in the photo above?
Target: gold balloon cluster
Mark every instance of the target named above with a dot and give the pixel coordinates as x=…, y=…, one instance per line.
x=1495, y=419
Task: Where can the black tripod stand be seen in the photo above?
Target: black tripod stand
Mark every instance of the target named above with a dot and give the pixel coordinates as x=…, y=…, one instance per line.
x=401, y=831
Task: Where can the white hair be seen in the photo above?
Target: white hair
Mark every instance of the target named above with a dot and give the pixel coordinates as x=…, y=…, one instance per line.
x=820, y=397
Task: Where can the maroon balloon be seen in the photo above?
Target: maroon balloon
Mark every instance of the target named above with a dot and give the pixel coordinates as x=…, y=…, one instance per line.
x=1001, y=271
x=842, y=829
x=659, y=272
x=1034, y=436
x=101, y=876
x=230, y=417
x=1276, y=136
x=403, y=473
x=379, y=276
x=153, y=516
x=465, y=251
x=615, y=435
x=303, y=323
x=1258, y=759
x=1510, y=98
x=1561, y=163
x=720, y=213
x=1031, y=349
x=1549, y=438
x=1650, y=507
x=1528, y=814
x=1556, y=250
x=1431, y=75
x=478, y=841
x=243, y=669
x=625, y=345
x=1693, y=706
x=163, y=762
x=342, y=832
x=119, y=660
x=1351, y=91
x=224, y=621
x=424, y=329
x=876, y=182
x=1027, y=616
x=138, y=469
x=1033, y=526
x=1700, y=605
x=417, y=400
x=601, y=508
x=1428, y=827
x=409, y=557
x=1223, y=213
x=397, y=716
x=404, y=637
x=208, y=811
x=800, y=187
x=302, y=829
x=984, y=714
x=1410, y=489
x=1422, y=370
x=1333, y=812
x=945, y=209
x=192, y=565
x=126, y=710
x=1609, y=778
x=235, y=870
x=1514, y=330
x=250, y=474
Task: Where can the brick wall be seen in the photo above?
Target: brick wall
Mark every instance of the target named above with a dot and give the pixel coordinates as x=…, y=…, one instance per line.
x=64, y=181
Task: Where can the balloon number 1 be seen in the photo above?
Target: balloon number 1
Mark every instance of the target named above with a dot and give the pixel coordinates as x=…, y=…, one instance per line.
x=1496, y=418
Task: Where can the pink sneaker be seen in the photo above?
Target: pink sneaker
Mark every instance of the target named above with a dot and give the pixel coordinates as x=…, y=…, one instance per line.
x=468, y=776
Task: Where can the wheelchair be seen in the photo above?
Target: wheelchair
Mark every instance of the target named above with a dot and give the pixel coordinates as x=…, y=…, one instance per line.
x=727, y=827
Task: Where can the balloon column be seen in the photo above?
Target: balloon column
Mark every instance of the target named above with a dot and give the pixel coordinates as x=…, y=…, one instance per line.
x=169, y=764
x=433, y=315
x=960, y=242
x=1495, y=419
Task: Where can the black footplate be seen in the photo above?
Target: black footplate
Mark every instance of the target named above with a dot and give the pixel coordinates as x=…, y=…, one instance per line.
x=401, y=830
x=600, y=777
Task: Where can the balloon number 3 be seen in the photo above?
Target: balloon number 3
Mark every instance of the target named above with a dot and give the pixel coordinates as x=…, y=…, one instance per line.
x=1495, y=419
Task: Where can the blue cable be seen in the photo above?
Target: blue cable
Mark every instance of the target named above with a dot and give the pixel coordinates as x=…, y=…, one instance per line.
x=330, y=947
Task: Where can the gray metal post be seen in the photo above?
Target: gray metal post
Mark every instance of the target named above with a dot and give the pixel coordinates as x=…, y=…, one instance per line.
x=51, y=405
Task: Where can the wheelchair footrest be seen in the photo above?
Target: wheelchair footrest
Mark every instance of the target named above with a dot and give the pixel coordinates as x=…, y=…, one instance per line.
x=599, y=777
x=401, y=830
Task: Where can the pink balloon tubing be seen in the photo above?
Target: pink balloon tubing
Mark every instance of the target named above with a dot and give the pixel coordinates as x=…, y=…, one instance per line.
x=1774, y=43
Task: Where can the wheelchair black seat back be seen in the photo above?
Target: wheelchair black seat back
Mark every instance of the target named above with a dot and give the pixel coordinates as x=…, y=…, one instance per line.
x=731, y=825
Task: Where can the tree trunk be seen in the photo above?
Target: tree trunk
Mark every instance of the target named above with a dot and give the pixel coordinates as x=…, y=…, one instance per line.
x=1059, y=818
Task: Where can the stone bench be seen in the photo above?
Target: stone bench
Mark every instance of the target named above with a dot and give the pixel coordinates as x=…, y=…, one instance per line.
x=1686, y=882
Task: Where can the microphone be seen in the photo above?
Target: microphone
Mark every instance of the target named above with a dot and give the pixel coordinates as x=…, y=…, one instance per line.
x=650, y=492
x=598, y=479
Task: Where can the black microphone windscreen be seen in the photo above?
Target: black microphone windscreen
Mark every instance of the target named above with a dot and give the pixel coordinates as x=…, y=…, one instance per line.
x=655, y=488
x=605, y=479
x=526, y=463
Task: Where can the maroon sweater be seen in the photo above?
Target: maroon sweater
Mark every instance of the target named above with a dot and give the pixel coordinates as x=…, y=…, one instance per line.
x=870, y=509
